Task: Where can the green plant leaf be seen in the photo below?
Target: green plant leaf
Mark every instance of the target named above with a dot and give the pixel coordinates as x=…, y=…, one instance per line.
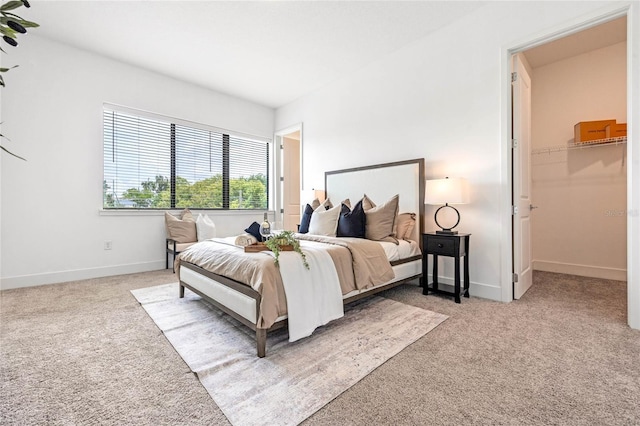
x=7, y=69
x=8, y=32
x=28, y=24
x=11, y=5
x=11, y=14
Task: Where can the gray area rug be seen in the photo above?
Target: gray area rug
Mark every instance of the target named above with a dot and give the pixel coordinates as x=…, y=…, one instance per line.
x=295, y=379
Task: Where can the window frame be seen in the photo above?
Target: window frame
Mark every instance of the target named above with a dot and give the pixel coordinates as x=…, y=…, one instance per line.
x=227, y=135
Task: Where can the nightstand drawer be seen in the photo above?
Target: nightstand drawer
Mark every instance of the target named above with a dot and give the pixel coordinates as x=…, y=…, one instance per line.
x=441, y=246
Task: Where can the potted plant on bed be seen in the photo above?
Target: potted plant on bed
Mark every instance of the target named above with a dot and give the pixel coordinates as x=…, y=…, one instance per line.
x=285, y=241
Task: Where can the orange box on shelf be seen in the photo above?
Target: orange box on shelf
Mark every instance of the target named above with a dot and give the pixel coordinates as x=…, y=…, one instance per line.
x=586, y=131
x=617, y=130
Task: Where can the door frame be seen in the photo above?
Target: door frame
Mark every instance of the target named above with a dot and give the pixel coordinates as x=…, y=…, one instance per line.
x=632, y=13
x=277, y=188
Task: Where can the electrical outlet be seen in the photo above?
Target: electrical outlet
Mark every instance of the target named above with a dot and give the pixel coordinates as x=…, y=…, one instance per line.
x=107, y=245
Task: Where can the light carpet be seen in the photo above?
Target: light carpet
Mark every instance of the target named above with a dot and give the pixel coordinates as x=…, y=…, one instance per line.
x=295, y=379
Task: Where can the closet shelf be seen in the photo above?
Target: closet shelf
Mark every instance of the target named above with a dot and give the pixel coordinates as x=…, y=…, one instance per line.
x=581, y=145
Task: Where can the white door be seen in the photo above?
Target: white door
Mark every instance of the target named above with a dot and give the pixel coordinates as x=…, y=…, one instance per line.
x=521, y=108
x=291, y=182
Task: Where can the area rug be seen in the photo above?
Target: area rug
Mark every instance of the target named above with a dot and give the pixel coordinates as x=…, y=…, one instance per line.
x=295, y=379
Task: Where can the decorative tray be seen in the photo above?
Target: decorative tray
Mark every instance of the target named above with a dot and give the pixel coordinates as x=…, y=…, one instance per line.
x=254, y=248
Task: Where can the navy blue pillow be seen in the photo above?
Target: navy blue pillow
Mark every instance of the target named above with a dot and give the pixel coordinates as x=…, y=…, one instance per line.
x=254, y=229
x=306, y=219
x=351, y=223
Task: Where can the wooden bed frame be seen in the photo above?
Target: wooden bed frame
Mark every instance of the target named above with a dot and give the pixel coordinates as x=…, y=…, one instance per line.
x=380, y=182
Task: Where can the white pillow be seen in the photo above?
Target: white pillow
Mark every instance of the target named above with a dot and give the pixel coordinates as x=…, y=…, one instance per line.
x=205, y=228
x=325, y=222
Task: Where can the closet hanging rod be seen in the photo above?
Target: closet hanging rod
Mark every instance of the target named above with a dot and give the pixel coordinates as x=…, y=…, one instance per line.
x=580, y=145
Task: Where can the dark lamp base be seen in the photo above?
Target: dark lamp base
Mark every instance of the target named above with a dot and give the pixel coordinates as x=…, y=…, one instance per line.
x=447, y=232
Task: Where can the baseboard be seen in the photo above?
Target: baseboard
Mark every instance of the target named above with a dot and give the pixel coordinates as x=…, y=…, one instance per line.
x=78, y=274
x=484, y=291
x=580, y=270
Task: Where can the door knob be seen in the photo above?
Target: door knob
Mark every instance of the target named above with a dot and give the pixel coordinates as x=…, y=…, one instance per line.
x=531, y=207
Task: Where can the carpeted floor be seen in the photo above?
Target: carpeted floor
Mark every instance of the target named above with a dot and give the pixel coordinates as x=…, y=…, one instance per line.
x=87, y=353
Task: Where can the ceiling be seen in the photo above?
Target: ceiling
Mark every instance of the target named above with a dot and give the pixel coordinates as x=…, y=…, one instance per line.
x=268, y=52
x=597, y=37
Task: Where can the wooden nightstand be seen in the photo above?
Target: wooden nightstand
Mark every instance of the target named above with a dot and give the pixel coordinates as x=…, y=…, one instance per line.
x=456, y=246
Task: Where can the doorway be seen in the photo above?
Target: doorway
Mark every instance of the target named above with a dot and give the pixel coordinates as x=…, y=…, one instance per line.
x=603, y=36
x=289, y=177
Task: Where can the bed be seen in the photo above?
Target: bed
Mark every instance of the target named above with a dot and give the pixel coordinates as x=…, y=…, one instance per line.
x=260, y=307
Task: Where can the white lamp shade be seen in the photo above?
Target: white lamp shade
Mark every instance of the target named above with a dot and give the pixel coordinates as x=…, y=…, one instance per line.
x=446, y=191
x=308, y=195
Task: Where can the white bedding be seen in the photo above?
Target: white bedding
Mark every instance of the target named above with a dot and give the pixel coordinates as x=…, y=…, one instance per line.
x=401, y=251
x=313, y=298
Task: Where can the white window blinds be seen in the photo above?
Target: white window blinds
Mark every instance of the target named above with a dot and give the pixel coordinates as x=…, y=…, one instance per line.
x=157, y=164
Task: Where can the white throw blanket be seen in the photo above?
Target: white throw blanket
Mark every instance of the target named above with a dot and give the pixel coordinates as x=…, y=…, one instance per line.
x=314, y=296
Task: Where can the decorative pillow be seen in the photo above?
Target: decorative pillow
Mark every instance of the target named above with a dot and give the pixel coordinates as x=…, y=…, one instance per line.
x=181, y=230
x=351, y=223
x=306, y=219
x=367, y=204
x=205, y=228
x=254, y=229
x=324, y=222
x=326, y=204
x=315, y=203
x=381, y=220
x=347, y=202
x=187, y=215
x=404, y=225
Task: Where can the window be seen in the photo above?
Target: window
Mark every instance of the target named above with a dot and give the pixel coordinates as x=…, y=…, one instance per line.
x=154, y=162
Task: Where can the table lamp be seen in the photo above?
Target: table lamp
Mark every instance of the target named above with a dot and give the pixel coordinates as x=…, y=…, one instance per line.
x=446, y=191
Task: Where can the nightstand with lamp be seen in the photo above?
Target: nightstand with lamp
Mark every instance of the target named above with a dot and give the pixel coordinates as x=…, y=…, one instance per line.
x=446, y=241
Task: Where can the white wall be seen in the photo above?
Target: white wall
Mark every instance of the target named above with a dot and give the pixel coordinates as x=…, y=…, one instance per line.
x=440, y=98
x=580, y=226
x=51, y=227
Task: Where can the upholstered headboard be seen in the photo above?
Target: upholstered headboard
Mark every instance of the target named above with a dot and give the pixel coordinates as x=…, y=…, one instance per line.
x=381, y=182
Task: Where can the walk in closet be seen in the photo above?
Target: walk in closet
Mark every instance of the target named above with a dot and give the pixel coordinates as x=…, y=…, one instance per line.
x=579, y=189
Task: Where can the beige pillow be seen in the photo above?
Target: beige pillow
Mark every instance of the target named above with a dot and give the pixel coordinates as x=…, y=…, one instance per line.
x=367, y=204
x=325, y=205
x=381, y=220
x=187, y=215
x=404, y=225
x=181, y=230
